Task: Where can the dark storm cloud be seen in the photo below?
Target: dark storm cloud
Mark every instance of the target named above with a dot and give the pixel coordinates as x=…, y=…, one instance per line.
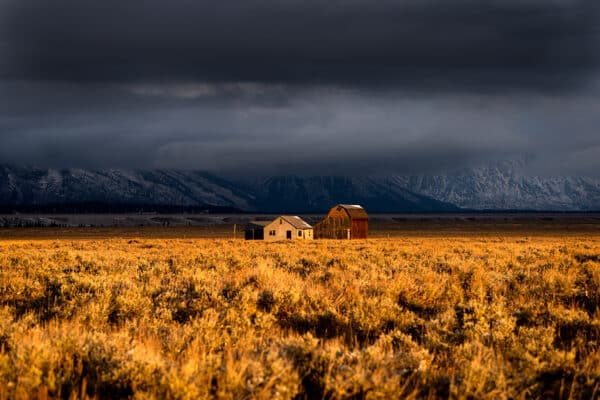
x=239, y=129
x=419, y=44
x=307, y=87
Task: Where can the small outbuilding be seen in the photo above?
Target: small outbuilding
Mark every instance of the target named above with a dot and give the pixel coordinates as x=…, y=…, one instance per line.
x=344, y=221
x=288, y=227
x=255, y=230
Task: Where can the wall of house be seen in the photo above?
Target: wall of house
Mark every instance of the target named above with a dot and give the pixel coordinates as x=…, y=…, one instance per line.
x=277, y=230
x=307, y=234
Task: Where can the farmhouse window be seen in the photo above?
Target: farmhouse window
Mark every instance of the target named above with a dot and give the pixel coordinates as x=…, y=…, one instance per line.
x=271, y=233
x=299, y=233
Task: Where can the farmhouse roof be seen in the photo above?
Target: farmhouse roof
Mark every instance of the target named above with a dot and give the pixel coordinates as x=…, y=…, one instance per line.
x=296, y=221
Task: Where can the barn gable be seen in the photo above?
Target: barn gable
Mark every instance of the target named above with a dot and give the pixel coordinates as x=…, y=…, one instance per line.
x=353, y=211
x=344, y=221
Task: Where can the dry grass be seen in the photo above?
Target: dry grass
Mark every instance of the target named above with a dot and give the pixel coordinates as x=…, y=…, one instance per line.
x=422, y=317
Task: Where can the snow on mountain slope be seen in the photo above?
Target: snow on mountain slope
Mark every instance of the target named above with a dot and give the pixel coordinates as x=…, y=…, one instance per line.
x=505, y=186
x=496, y=186
x=319, y=193
x=165, y=187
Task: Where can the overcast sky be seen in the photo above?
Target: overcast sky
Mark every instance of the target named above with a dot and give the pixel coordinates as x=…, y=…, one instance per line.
x=300, y=86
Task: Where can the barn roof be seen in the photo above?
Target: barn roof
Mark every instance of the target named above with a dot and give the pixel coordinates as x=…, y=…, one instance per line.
x=354, y=210
x=296, y=221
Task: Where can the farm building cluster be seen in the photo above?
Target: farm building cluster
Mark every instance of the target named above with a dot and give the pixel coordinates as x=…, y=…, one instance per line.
x=344, y=221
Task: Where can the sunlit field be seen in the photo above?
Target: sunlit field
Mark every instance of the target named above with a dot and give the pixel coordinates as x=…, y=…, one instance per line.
x=421, y=314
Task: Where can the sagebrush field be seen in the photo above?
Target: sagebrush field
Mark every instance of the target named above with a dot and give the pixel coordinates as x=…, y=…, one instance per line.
x=456, y=316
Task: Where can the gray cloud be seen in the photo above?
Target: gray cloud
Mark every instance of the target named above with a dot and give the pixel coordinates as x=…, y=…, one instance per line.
x=237, y=129
x=309, y=87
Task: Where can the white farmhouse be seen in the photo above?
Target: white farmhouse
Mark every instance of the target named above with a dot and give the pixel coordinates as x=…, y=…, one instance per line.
x=288, y=227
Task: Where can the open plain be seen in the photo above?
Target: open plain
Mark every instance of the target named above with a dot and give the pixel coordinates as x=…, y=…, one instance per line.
x=422, y=309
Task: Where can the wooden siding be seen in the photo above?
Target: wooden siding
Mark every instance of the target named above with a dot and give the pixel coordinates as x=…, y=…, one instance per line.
x=341, y=223
x=360, y=228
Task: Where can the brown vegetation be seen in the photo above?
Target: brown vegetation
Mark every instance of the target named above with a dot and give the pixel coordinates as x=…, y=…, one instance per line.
x=457, y=316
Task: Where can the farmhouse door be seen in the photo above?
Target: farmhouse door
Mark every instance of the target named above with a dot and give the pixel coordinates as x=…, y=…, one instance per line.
x=288, y=234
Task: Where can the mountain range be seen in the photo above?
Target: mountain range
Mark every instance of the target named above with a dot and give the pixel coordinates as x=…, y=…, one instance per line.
x=495, y=186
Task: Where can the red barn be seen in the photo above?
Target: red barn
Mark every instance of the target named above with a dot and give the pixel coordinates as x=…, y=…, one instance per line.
x=344, y=221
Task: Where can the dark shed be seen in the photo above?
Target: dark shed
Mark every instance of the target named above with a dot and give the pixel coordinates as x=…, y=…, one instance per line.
x=255, y=230
x=344, y=221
